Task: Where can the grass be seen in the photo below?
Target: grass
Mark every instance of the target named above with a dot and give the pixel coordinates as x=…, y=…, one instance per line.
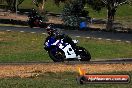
x=57, y=80
x=25, y=47
x=106, y=49
x=122, y=11
x=12, y=25
x=49, y=6
x=22, y=47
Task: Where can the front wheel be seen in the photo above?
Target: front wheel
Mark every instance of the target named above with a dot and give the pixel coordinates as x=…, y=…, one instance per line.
x=84, y=54
x=56, y=54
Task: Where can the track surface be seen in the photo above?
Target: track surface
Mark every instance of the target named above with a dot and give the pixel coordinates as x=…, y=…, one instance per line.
x=88, y=34
x=114, y=61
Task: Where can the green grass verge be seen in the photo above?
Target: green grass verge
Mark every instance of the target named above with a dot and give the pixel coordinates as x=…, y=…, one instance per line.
x=57, y=80
x=106, y=49
x=12, y=25
x=24, y=47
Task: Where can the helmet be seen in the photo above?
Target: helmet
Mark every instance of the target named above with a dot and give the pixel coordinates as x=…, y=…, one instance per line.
x=50, y=29
x=34, y=11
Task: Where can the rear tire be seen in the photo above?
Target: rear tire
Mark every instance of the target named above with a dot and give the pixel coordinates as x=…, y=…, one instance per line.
x=84, y=54
x=56, y=54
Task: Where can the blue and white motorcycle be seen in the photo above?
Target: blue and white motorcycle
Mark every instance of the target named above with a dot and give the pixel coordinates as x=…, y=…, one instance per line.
x=64, y=48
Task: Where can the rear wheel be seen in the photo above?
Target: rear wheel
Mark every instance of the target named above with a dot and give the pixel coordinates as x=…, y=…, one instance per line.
x=56, y=54
x=84, y=54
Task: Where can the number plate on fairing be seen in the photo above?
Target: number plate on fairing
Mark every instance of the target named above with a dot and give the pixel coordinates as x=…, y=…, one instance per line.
x=69, y=52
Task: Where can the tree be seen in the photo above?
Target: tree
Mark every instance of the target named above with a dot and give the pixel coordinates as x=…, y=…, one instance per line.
x=111, y=6
x=57, y=2
x=40, y=3
x=73, y=11
x=12, y=4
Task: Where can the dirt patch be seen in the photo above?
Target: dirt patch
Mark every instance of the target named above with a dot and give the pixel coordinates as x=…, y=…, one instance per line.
x=37, y=69
x=54, y=20
x=7, y=15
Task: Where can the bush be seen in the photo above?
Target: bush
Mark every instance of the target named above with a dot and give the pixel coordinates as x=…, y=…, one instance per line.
x=73, y=12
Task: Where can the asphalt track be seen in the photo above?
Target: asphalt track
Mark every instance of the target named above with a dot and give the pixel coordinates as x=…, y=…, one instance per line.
x=127, y=37
x=113, y=61
x=87, y=34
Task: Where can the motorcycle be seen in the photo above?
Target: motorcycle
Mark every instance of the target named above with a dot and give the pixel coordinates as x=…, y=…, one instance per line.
x=35, y=21
x=62, y=49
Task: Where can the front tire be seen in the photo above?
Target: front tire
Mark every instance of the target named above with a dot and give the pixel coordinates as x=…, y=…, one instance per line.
x=56, y=54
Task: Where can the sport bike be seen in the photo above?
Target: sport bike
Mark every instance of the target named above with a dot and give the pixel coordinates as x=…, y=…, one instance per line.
x=64, y=48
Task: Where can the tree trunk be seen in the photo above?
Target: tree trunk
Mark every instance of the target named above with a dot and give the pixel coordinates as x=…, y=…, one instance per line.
x=109, y=25
x=41, y=7
x=43, y=4
x=110, y=20
x=13, y=6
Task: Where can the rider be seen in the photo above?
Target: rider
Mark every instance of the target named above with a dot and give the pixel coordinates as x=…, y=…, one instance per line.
x=33, y=13
x=55, y=35
x=51, y=38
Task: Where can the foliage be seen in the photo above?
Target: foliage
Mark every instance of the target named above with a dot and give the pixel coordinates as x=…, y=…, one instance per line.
x=95, y=4
x=57, y=2
x=99, y=4
x=12, y=3
x=37, y=2
x=110, y=5
x=41, y=3
x=72, y=12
